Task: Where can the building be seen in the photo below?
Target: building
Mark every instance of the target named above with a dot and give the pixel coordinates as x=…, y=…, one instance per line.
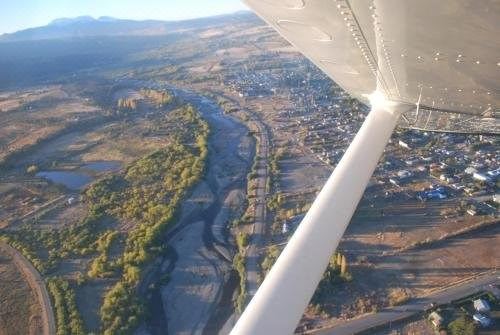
x=496, y=198
x=472, y=211
x=494, y=173
x=403, y=174
x=394, y=182
x=404, y=144
x=436, y=319
x=470, y=170
x=480, y=177
x=482, y=319
x=71, y=201
x=481, y=305
x=285, y=229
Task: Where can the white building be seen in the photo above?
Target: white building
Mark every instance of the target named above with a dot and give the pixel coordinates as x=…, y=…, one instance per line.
x=483, y=320
x=496, y=198
x=481, y=305
x=285, y=228
x=404, y=174
x=404, y=144
x=470, y=170
x=480, y=177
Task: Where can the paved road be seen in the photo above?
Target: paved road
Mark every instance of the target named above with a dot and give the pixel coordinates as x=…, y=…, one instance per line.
x=37, y=285
x=398, y=313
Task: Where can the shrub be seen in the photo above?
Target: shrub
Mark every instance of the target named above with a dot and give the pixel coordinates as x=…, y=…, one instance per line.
x=463, y=325
x=398, y=296
x=68, y=319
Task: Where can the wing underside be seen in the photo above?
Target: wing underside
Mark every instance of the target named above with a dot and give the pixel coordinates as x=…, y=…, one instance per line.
x=442, y=55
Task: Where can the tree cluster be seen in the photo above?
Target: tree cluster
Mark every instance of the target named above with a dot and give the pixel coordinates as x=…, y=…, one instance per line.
x=150, y=192
x=335, y=274
x=101, y=267
x=68, y=320
x=127, y=104
x=160, y=98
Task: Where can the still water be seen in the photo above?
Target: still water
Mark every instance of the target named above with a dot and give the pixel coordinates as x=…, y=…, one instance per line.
x=70, y=179
x=79, y=178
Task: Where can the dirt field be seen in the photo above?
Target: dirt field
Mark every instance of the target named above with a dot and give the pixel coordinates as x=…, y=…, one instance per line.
x=20, y=312
x=39, y=113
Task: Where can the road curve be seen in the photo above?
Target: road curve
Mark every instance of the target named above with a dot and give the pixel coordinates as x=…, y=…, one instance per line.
x=37, y=284
x=399, y=313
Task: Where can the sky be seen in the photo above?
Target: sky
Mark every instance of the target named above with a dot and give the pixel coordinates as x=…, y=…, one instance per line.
x=21, y=14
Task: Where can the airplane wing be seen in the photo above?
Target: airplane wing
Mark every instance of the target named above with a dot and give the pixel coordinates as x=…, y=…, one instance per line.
x=426, y=64
x=442, y=54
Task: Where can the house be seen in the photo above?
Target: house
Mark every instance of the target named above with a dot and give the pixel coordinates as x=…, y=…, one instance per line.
x=404, y=174
x=394, y=182
x=435, y=194
x=421, y=168
x=404, y=144
x=436, y=319
x=481, y=305
x=472, y=211
x=480, y=177
x=470, y=170
x=482, y=319
x=496, y=198
x=285, y=228
x=409, y=162
x=494, y=173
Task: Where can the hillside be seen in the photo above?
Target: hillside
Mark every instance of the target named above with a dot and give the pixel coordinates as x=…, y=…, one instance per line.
x=87, y=26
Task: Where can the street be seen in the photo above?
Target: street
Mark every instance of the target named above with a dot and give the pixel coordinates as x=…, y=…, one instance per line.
x=399, y=313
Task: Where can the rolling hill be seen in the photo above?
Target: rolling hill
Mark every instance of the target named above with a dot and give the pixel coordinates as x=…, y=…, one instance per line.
x=87, y=26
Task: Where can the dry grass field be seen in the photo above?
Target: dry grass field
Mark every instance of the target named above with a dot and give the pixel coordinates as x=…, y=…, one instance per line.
x=20, y=312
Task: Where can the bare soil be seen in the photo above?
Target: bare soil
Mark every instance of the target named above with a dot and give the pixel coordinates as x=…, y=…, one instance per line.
x=20, y=312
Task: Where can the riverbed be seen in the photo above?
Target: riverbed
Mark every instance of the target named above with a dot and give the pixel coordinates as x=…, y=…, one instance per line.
x=200, y=262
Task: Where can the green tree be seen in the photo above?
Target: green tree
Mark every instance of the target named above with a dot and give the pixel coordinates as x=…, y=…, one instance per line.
x=462, y=325
x=338, y=259
x=343, y=266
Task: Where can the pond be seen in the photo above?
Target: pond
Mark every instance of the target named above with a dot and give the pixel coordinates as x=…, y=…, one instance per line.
x=81, y=177
x=71, y=179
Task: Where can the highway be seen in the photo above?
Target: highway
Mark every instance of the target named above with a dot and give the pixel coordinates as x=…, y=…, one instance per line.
x=399, y=313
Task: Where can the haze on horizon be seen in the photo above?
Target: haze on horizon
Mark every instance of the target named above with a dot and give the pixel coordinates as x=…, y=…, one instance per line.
x=24, y=14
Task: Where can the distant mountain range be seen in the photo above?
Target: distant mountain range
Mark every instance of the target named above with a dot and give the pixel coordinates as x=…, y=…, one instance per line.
x=87, y=26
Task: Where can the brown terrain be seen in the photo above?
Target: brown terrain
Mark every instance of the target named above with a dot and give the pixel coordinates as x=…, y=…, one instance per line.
x=393, y=242
x=21, y=311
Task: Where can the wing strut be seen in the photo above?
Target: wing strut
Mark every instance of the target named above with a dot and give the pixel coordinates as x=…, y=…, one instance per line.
x=281, y=299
